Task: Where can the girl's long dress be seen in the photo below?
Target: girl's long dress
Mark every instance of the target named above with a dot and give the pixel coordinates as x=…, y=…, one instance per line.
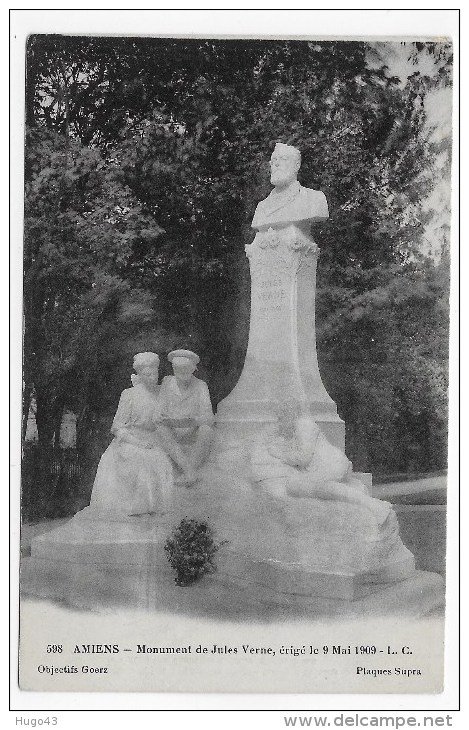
x=131, y=479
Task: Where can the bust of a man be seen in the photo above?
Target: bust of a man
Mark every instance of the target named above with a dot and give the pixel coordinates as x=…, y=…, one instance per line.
x=289, y=202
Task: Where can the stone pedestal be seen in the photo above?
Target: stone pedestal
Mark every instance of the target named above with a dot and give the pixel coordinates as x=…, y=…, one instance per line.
x=281, y=359
x=100, y=564
x=283, y=551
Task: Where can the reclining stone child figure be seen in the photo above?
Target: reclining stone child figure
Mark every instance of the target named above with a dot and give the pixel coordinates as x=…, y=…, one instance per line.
x=299, y=461
x=184, y=417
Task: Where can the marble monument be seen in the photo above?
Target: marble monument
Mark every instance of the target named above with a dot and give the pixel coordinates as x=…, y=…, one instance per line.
x=299, y=528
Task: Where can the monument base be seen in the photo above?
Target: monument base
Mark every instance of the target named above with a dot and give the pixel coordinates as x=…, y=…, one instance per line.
x=101, y=587
x=298, y=557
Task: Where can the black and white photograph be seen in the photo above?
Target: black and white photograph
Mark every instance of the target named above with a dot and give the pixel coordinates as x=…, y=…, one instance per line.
x=235, y=362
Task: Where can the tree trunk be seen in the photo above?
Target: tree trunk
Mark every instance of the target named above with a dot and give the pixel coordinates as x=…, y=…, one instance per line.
x=27, y=390
x=31, y=73
x=83, y=428
x=66, y=100
x=46, y=419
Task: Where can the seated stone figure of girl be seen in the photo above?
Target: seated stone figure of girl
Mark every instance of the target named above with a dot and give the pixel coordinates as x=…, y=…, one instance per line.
x=135, y=475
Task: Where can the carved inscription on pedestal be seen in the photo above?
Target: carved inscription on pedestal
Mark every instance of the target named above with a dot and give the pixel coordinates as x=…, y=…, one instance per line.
x=270, y=295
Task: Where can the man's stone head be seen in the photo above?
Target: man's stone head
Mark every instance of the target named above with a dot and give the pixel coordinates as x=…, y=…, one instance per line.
x=284, y=164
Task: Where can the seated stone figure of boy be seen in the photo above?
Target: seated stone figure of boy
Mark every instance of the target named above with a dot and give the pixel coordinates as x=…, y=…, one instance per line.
x=185, y=418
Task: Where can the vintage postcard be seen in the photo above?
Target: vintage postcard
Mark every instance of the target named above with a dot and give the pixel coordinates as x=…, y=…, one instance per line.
x=235, y=363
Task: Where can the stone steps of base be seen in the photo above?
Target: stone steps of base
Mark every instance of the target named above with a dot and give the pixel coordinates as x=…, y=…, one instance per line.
x=105, y=553
x=101, y=587
x=286, y=576
x=421, y=595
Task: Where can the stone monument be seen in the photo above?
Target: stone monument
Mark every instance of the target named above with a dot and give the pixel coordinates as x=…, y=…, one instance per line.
x=293, y=533
x=281, y=359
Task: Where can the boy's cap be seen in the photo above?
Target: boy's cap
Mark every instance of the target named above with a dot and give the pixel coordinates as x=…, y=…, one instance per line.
x=182, y=357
